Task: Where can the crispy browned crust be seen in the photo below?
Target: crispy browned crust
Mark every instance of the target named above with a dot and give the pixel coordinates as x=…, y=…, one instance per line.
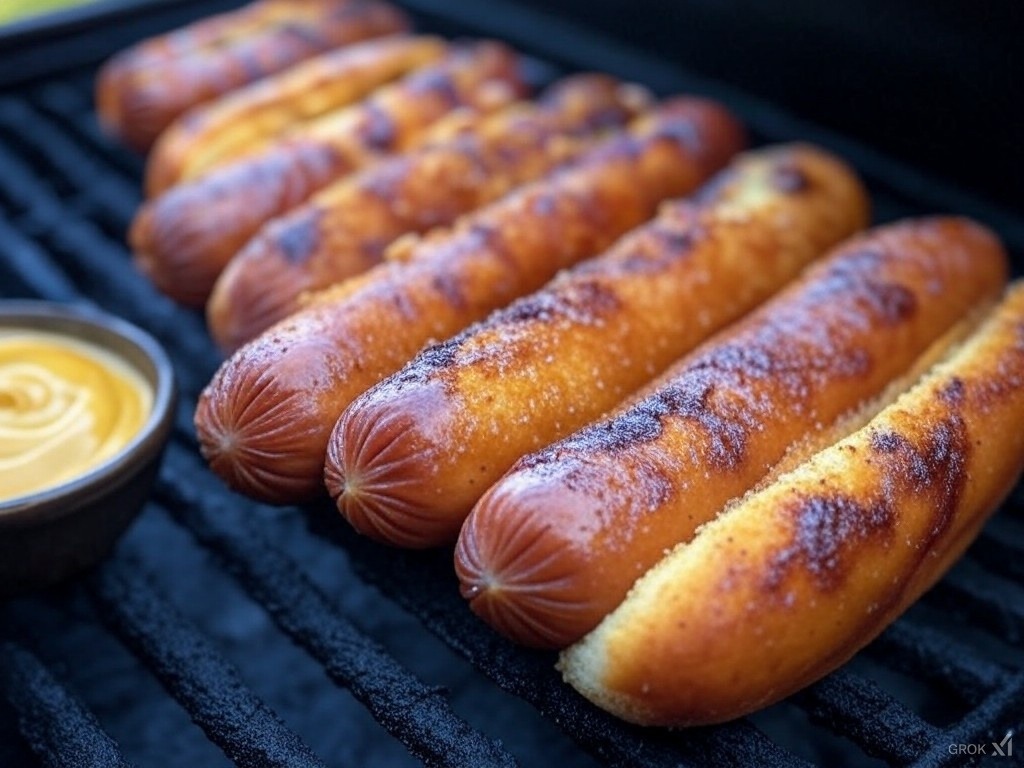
x=788, y=584
x=345, y=229
x=560, y=358
x=244, y=121
x=143, y=89
x=564, y=535
x=264, y=421
x=184, y=238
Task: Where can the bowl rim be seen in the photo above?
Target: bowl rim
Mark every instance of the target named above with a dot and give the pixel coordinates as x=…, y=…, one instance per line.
x=53, y=501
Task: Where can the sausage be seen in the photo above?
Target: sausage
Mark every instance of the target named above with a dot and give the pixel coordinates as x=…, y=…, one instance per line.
x=554, y=361
x=265, y=419
x=244, y=121
x=345, y=228
x=183, y=239
x=143, y=89
x=789, y=583
x=557, y=543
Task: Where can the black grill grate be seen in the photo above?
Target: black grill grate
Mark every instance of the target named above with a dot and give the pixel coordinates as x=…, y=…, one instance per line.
x=949, y=672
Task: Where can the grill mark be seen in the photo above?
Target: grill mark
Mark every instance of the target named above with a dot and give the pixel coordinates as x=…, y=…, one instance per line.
x=378, y=130
x=249, y=61
x=789, y=179
x=356, y=9
x=894, y=303
x=666, y=242
x=607, y=116
x=306, y=36
x=890, y=302
x=953, y=393
x=582, y=302
x=823, y=527
x=544, y=204
x=938, y=469
x=449, y=287
x=790, y=346
x=300, y=239
x=985, y=393
x=403, y=303
x=432, y=359
x=726, y=423
x=490, y=237
x=439, y=83
x=828, y=526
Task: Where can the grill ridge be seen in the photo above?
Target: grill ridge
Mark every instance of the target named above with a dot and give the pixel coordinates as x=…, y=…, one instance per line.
x=925, y=654
x=188, y=666
x=531, y=674
x=56, y=725
x=856, y=708
x=416, y=714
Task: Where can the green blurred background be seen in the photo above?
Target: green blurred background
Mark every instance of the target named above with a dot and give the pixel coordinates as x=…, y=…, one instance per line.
x=11, y=10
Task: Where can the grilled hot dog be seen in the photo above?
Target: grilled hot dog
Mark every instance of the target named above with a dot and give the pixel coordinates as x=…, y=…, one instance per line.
x=409, y=458
x=787, y=584
x=345, y=228
x=183, y=238
x=243, y=121
x=556, y=544
x=141, y=90
x=264, y=421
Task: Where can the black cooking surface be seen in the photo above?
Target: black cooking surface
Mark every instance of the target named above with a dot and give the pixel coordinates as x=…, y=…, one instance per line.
x=222, y=631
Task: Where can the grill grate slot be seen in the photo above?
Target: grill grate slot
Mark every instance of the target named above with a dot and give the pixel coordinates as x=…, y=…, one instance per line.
x=103, y=195
x=412, y=579
x=1000, y=548
x=931, y=657
x=27, y=269
x=987, y=601
x=979, y=725
x=233, y=717
x=69, y=104
x=415, y=713
x=61, y=732
x=854, y=707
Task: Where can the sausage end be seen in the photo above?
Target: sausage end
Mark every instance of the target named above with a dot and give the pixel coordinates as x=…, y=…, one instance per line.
x=519, y=577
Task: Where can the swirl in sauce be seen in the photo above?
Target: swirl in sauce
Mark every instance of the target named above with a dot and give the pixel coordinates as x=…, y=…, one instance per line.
x=65, y=407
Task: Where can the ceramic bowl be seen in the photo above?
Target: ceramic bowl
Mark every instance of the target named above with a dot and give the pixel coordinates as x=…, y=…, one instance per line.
x=53, y=533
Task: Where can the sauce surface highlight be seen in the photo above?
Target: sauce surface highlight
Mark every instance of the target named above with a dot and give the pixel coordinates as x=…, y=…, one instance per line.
x=66, y=406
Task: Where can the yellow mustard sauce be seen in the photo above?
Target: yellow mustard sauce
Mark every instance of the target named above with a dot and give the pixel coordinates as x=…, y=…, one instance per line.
x=65, y=407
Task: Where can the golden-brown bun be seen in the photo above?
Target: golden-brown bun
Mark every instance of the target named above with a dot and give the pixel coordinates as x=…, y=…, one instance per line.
x=790, y=582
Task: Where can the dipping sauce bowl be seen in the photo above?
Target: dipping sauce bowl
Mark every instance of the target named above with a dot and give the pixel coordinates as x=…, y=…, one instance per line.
x=86, y=408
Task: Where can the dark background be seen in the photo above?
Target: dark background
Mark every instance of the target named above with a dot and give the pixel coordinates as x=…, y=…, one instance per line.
x=937, y=83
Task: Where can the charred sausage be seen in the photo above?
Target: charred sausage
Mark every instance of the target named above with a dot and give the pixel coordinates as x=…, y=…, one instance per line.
x=143, y=89
x=265, y=419
x=345, y=229
x=184, y=238
x=556, y=544
x=426, y=443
